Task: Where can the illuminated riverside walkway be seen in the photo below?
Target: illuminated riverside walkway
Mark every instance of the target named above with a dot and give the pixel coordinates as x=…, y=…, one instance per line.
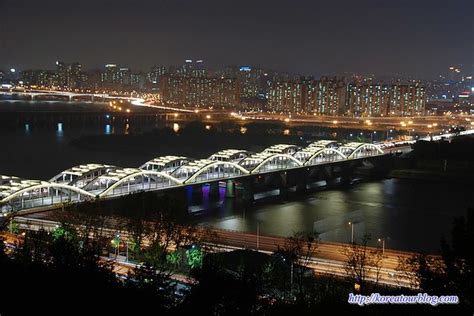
x=98, y=181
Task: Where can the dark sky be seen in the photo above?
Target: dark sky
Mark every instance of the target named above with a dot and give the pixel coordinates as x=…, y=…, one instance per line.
x=407, y=37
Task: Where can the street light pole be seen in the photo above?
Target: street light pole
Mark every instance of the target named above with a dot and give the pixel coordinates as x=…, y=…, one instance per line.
x=127, y=250
x=372, y=136
x=291, y=277
x=117, y=237
x=383, y=244
x=352, y=232
x=258, y=234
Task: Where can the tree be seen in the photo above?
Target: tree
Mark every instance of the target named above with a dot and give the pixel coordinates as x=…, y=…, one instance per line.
x=298, y=251
x=458, y=258
x=362, y=262
x=453, y=271
x=423, y=272
x=219, y=291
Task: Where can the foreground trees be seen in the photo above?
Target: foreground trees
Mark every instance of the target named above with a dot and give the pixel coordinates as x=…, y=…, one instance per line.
x=77, y=263
x=451, y=273
x=362, y=264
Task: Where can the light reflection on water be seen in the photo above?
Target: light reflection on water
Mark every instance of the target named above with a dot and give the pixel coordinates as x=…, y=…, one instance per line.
x=392, y=209
x=410, y=215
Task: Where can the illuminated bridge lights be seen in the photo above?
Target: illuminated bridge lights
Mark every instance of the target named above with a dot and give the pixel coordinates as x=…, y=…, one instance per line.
x=324, y=144
x=166, y=164
x=234, y=155
x=282, y=149
x=91, y=181
x=80, y=175
x=16, y=193
x=129, y=180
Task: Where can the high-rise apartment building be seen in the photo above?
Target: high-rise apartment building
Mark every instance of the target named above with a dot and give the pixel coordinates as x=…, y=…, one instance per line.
x=287, y=96
x=380, y=99
x=324, y=97
x=68, y=75
x=407, y=99
x=199, y=91
x=40, y=78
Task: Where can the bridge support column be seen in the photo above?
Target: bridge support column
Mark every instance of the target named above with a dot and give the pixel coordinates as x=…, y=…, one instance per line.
x=197, y=195
x=214, y=190
x=283, y=185
x=346, y=175
x=298, y=179
x=230, y=189
x=246, y=191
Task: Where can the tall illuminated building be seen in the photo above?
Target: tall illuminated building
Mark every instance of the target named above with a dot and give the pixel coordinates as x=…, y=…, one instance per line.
x=68, y=75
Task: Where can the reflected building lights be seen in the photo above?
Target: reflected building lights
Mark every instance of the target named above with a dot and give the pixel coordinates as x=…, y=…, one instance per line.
x=175, y=127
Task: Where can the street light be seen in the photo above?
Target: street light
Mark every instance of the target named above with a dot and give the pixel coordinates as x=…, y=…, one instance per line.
x=291, y=277
x=382, y=240
x=127, y=250
x=258, y=234
x=116, y=243
x=372, y=136
x=352, y=231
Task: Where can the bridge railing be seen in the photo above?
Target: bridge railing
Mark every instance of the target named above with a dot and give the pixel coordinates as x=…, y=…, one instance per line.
x=207, y=170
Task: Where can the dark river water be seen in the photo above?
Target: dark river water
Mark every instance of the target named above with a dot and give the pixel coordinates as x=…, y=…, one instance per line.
x=409, y=215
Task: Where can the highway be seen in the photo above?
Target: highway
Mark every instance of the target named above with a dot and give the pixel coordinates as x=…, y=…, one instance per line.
x=329, y=258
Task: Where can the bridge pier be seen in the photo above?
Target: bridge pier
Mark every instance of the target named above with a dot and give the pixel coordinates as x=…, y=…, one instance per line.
x=298, y=179
x=197, y=194
x=346, y=175
x=230, y=189
x=214, y=190
x=245, y=191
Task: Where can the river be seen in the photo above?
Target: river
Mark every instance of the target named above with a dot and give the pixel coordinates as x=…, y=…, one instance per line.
x=408, y=215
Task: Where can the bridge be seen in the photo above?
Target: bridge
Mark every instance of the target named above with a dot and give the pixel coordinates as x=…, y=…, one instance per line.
x=70, y=96
x=99, y=181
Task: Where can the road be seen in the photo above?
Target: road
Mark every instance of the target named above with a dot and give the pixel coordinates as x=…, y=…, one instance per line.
x=329, y=258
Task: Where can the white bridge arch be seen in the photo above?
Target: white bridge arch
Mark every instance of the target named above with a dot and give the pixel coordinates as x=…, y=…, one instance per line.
x=42, y=193
x=277, y=161
x=144, y=181
x=327, y=155
x=90, y=181
x=46, y=185
x=230, y=166
x=370, y=150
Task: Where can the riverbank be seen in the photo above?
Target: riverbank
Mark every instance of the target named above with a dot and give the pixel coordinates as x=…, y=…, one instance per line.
x=432, y=175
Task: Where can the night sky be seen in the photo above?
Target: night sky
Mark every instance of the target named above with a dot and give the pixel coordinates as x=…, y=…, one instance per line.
x=407, y=37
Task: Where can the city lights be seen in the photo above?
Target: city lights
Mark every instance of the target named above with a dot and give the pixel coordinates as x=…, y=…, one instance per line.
x=232, y=157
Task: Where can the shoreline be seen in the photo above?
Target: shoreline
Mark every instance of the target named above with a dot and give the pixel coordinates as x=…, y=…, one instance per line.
x=431, y=175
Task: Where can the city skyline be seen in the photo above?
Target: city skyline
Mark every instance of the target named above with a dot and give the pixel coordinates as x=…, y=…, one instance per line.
x=403, y=39
x=242, y=157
